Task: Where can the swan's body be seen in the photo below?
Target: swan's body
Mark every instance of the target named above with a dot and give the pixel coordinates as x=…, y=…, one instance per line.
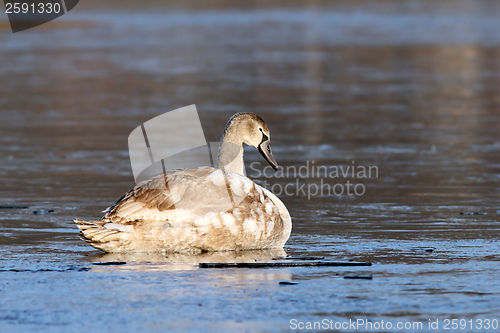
x=202, y=208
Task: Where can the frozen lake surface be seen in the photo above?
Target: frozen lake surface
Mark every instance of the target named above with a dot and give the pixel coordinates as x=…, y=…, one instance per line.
x=409, y=88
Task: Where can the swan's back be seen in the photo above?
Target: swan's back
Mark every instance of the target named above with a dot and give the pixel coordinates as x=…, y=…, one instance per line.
x=195, y=209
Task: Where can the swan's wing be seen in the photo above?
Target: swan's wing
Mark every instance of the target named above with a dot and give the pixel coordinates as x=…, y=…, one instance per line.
x=202, y=208
x=193, y=191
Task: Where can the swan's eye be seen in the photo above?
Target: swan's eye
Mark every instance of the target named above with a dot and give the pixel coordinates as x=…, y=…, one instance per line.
x=264, y=137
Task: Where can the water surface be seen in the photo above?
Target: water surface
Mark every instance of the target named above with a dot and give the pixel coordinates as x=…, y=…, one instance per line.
x=408, y=87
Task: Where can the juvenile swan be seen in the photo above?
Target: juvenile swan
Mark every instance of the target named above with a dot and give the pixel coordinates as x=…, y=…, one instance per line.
x=202, y=208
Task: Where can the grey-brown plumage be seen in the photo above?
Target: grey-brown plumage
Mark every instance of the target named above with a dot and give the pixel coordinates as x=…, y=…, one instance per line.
x=197, y=209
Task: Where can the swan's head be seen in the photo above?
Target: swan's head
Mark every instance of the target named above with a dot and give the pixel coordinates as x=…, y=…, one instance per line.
x=250, y=129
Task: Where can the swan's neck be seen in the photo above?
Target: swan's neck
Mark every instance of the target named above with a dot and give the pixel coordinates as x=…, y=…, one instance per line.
x=230, y=157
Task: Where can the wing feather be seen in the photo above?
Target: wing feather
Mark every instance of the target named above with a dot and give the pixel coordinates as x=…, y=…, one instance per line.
x=189, y=190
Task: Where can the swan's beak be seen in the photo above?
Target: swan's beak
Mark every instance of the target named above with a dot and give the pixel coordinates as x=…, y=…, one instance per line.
x=265, y=151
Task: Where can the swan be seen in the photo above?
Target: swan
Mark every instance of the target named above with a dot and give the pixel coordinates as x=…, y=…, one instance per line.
x=200, y=209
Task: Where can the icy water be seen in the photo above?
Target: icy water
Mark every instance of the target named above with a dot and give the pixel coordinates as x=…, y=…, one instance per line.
x=408, y=90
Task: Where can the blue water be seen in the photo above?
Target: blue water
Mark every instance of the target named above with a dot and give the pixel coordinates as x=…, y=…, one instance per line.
x=408, y=87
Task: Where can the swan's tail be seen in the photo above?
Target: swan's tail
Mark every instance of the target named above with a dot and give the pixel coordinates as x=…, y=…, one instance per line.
x=106, y=239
